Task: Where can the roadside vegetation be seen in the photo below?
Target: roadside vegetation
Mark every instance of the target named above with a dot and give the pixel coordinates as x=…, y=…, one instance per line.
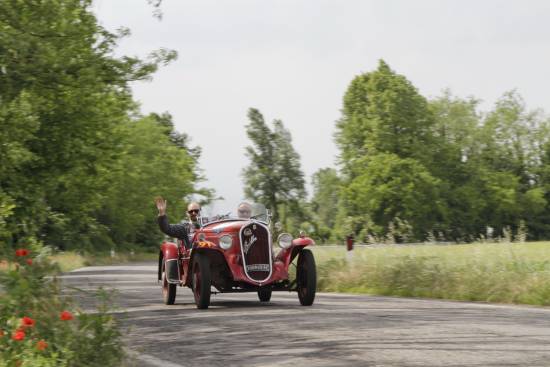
x=80, y=163
x=414, y=168
x=39, y=327
x=79, y=168
x=489, y=272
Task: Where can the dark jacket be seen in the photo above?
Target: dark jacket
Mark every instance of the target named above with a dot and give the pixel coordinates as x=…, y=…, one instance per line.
x=179, y=231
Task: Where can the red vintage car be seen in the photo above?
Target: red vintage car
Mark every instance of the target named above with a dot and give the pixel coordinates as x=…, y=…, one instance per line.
x=236, y=255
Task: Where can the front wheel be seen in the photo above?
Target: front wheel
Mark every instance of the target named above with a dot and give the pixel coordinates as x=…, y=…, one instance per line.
x=306, y=277
x=168, y=290
x=201, y=281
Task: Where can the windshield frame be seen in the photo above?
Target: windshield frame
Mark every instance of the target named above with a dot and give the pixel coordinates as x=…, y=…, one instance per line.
x=259, y=213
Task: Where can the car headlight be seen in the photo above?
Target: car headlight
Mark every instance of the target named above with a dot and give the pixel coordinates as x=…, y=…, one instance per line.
x=284, y=240
x=226, y=242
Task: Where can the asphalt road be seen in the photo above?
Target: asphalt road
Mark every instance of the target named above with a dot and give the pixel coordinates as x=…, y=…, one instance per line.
x=338, y=330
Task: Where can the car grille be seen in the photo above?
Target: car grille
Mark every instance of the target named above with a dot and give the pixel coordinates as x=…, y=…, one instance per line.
x=256, y=251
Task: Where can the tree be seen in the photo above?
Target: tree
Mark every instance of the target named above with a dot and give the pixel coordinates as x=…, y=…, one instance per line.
x=512, y=143
x=274, y=176
x=386, y=139
x=392, y=187
x=180, y=140
x=325, y=201
x=383, y=113
x=151, y=164
x=456, y=146
x=65, y=103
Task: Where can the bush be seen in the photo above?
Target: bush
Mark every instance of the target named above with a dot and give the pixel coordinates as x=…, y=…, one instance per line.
x=40, y=327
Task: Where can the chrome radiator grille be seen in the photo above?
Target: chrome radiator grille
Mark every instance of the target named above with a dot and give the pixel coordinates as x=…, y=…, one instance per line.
x=256, y=251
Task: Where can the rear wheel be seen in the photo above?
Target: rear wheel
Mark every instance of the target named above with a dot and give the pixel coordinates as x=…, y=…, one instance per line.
x=264, y=295
x=168, y=290
x=306, y=277
x=201, y=281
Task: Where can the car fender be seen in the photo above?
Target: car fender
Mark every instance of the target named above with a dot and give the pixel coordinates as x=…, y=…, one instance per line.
x=288, y=254
x=208, y=248
x=205, y=247
x=169, y=253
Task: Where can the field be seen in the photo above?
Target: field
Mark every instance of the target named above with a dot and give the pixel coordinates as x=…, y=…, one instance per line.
x=502, y=272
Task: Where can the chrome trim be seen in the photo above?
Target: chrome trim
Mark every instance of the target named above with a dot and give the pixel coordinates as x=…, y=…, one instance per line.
x=233, y=220
x=220, y=242
x=170, y=281
x=279, y=240
x=270, y=250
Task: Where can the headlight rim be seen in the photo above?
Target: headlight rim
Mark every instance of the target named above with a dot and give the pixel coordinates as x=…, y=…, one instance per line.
x=281, y=244
x=226, y=245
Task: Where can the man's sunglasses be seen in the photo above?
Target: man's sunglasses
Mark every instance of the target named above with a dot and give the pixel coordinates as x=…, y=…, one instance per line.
x=196, y=211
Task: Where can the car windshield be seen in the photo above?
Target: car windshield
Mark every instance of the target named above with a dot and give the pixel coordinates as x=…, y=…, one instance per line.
x=259, y=212
x=243, y=211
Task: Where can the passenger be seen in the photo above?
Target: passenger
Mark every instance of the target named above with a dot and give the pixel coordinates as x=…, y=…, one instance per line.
x=244, y=211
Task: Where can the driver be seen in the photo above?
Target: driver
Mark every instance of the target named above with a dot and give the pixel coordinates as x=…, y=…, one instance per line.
x=193, y=211
x=180, y=231
x=244, y=210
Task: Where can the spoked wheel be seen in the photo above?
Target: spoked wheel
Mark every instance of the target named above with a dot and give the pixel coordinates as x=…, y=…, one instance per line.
x=201, y=281
x=264, y=295
x=168, y=290
x=306, y=276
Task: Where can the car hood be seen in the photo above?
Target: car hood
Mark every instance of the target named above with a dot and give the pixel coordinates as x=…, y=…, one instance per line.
x=225, y=226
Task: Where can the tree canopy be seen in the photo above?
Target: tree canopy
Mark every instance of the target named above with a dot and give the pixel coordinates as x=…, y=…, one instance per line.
x=77, y=157
x=440, y=166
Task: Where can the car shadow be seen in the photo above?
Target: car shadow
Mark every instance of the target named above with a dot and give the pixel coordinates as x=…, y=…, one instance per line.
x=242, y=304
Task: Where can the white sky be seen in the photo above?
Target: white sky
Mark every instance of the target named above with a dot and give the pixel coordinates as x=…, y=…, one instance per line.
x=293, y=60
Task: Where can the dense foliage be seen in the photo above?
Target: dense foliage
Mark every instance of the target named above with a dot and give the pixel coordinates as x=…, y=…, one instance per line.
x=413, y=169
x=80, y=166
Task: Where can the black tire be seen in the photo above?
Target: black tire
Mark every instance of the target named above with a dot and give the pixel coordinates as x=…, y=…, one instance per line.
x=306, y=278
x=201, y=281
x=264, y=295
x=168, y=290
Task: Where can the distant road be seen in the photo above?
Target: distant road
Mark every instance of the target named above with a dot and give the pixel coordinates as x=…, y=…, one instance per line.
x=338, y=330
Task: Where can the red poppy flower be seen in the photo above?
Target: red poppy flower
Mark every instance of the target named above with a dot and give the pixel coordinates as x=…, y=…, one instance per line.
x=27, y=322
x=19, y=335
x=29, y=261
x=21, y=252
x=41, y=345
x=66, y=316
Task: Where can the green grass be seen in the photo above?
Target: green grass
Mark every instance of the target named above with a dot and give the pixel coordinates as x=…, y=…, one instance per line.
x=507, y=273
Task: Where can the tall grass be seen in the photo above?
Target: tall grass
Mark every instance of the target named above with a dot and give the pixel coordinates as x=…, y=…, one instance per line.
x=503, y=272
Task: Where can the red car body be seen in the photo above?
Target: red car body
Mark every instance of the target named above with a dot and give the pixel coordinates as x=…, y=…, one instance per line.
x=248, y=265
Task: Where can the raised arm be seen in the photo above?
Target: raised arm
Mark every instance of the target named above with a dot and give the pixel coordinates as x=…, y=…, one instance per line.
x=172, y=230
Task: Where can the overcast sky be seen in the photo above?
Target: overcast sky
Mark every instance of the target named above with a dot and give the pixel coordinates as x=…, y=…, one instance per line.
x=293, y=60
